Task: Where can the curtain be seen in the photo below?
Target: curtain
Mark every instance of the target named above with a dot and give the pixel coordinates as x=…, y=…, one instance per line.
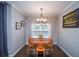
x=3, y=30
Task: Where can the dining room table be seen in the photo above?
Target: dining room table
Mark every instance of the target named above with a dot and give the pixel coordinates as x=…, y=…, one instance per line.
x=40, y=40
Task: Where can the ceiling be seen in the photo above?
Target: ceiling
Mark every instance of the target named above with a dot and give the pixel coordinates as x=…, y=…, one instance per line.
x=32, y=8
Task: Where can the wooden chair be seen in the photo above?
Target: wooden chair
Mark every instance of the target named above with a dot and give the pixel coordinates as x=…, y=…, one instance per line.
x=31, y=45
x=40, y=47
x=49, y=45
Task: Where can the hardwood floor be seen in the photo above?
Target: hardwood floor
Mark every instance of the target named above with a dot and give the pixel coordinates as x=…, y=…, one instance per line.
x=57, y=52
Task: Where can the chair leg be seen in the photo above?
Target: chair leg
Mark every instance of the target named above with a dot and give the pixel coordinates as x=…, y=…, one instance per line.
x=28, y=50
x=36, y=54
x=44, y=53
x=51, y=49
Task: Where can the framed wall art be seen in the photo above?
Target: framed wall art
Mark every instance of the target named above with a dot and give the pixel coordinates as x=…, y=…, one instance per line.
x=71, y=20
x=22, y=23
x=18, y=25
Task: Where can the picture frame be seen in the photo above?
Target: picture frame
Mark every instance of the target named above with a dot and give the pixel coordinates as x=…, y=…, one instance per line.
x=18, y=25
x=71, y=20
x=22, y=23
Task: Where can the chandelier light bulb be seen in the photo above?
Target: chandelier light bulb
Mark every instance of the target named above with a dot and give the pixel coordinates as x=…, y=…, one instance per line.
x=38, y=19
x=44, y=20
x=41, y=19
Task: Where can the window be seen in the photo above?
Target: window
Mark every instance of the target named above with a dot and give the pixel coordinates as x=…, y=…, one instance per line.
x=41, y=29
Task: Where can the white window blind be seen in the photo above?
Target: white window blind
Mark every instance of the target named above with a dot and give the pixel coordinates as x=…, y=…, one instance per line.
x=41, y=29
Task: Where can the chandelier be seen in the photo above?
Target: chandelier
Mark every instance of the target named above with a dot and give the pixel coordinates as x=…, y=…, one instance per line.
x=41, y=19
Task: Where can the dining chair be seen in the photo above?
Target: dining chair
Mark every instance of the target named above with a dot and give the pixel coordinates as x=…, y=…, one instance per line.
x=49, y=45
x=40, y=47
x=31, y=45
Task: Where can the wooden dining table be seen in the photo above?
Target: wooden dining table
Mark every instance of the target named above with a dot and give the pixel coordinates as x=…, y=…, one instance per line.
x=37, y=40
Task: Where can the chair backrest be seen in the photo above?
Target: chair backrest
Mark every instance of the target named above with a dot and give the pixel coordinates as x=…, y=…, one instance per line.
x=50, y=41
x=30, y=40
x=40, y=44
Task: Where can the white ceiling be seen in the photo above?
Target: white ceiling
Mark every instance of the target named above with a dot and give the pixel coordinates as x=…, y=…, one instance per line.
x=33, y=7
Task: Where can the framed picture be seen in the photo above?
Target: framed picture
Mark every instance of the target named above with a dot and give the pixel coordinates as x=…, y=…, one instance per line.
x=18, y=25
x=22, y=23
x=71, y=20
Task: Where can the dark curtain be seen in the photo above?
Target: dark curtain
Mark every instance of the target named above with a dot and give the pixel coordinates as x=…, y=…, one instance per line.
x=3, y=30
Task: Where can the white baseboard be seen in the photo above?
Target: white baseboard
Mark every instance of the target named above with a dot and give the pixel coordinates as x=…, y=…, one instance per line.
x=17, y=51
x=64, y=50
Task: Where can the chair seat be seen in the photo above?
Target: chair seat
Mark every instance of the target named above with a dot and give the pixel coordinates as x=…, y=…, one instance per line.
x=40, y=49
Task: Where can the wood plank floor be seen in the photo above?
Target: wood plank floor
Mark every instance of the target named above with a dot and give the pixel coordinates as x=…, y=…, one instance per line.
x=57, y=52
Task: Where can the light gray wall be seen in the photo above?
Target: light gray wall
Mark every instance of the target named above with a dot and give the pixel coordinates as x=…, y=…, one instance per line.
x=9, y=40
x=50, y=20
x=16, y=38
x=68, y=38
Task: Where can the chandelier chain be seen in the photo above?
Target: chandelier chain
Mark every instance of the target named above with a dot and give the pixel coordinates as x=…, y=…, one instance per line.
x=41, y=12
